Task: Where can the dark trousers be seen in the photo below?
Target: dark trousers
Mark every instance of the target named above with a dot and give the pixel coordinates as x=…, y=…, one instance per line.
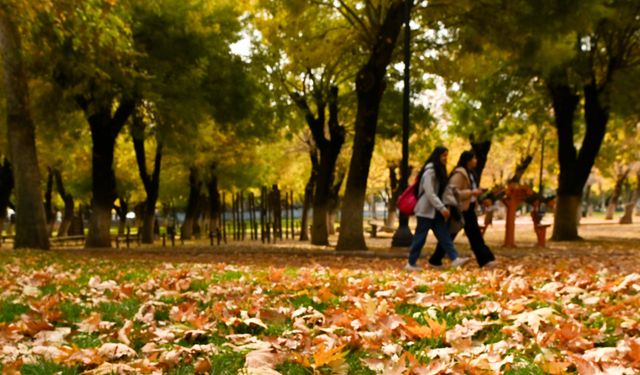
x=472, y=231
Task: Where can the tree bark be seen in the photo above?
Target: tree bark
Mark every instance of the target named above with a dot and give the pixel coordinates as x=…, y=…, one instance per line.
x=308, y=194
x=6, y=187
x=49, y=213
x=394, y=193
x=31, y=226
x=617, y=190
x=151, y=184
x=121, y=212
x=481, y=149
x=214, y=199
x=105, y=127
x=329, y=149
x=627, y=218
x=334, y=201
x=574, y=167
x=370, y=85
x=192, y=204
x=67, y=216
x=521, y=168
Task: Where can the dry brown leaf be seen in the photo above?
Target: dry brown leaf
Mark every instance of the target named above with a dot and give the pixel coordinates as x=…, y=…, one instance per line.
x=202, y=365
x=115, y=351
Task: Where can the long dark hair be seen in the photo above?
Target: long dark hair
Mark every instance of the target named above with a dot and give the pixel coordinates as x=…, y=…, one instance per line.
x=465, y=158
x=441, y=170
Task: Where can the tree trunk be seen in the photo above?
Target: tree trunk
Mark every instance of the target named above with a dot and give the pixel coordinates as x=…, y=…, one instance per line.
x=103, y=181
x=308, y=194
x=370, y=85
x=214, y=200
x=104, y=130
x=329, y=151
x=49, y=214
x=31, y=226
x=151, y=182
x=6, y=187
x=574, y=167
x=192, y=204
x=481, y=149
x=617, y=190
x=627, y=218
x=334, y=201
x=521, y=168
x=121, y=212
x=67, y=216
x=394, y=193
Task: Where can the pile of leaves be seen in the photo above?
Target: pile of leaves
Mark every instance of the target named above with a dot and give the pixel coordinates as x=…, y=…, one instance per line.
x=65, y=314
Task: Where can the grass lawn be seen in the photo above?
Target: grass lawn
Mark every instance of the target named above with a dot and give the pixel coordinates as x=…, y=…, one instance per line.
x=561, y=310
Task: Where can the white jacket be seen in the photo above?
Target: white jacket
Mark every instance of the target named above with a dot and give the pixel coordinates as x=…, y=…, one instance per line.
x=429, y=201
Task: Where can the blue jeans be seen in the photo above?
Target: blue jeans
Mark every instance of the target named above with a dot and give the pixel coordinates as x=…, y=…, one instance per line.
x=441, y=231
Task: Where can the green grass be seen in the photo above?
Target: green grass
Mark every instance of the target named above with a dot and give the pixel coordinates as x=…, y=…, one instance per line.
x=199, y=285
x=135, y=275
x=9, y=311
x=422, y=288
x=161, y=314
x=461, y=289
x=226, y=276
x=290, y=368
x=490, y=334
x=227, y=363
x=421, y=347
x=277, y=328
x=43, y=367
x=86, y=340
x=49, y=289
x=524, y=366
x=119, y=311
x=355, y=364
x=305, y=300
x=72, y=312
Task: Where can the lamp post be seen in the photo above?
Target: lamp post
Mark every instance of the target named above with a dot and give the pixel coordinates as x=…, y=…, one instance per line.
x=403, y=236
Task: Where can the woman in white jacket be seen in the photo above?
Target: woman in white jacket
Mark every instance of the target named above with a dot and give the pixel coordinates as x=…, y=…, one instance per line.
x=431, y=212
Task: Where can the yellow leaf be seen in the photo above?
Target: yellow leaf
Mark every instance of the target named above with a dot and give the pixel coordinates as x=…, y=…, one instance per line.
x=324, y=357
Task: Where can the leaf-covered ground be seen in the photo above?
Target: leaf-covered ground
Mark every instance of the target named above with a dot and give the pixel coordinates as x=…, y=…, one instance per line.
x=539, y=312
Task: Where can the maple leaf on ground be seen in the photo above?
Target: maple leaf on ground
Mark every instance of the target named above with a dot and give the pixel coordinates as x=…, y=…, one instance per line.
x=324, y=356
x=115, y=351
x=262, y=361
x=112, y=368
x=432, y=329
x=123, y=333
x=90, y=324
x=634, y=351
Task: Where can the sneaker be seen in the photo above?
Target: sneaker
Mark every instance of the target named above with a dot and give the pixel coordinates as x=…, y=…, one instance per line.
x=459, y=261
x=409, y=267
x=435, y=266
x=490, y=265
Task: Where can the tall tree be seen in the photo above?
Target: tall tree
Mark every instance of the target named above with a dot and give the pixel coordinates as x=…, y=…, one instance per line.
x=31, y=228
x=381, y=23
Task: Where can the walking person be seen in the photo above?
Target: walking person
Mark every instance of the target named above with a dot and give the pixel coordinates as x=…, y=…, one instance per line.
x=431, y=212
x=463, y=184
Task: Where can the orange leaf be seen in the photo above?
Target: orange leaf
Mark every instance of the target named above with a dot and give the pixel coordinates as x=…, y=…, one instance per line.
x=634, y=353
x=324, y=357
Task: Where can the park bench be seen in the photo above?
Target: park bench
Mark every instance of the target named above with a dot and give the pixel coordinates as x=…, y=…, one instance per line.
x=63, y=240
x=373, y=227
x=6, y=237
x=127, y=239
x=539, y=229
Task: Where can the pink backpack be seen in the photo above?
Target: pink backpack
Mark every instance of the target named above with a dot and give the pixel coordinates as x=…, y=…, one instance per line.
x=407, y=200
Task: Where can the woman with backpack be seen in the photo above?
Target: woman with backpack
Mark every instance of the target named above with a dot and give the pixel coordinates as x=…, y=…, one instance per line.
x=464, y=187
x=430, y=211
